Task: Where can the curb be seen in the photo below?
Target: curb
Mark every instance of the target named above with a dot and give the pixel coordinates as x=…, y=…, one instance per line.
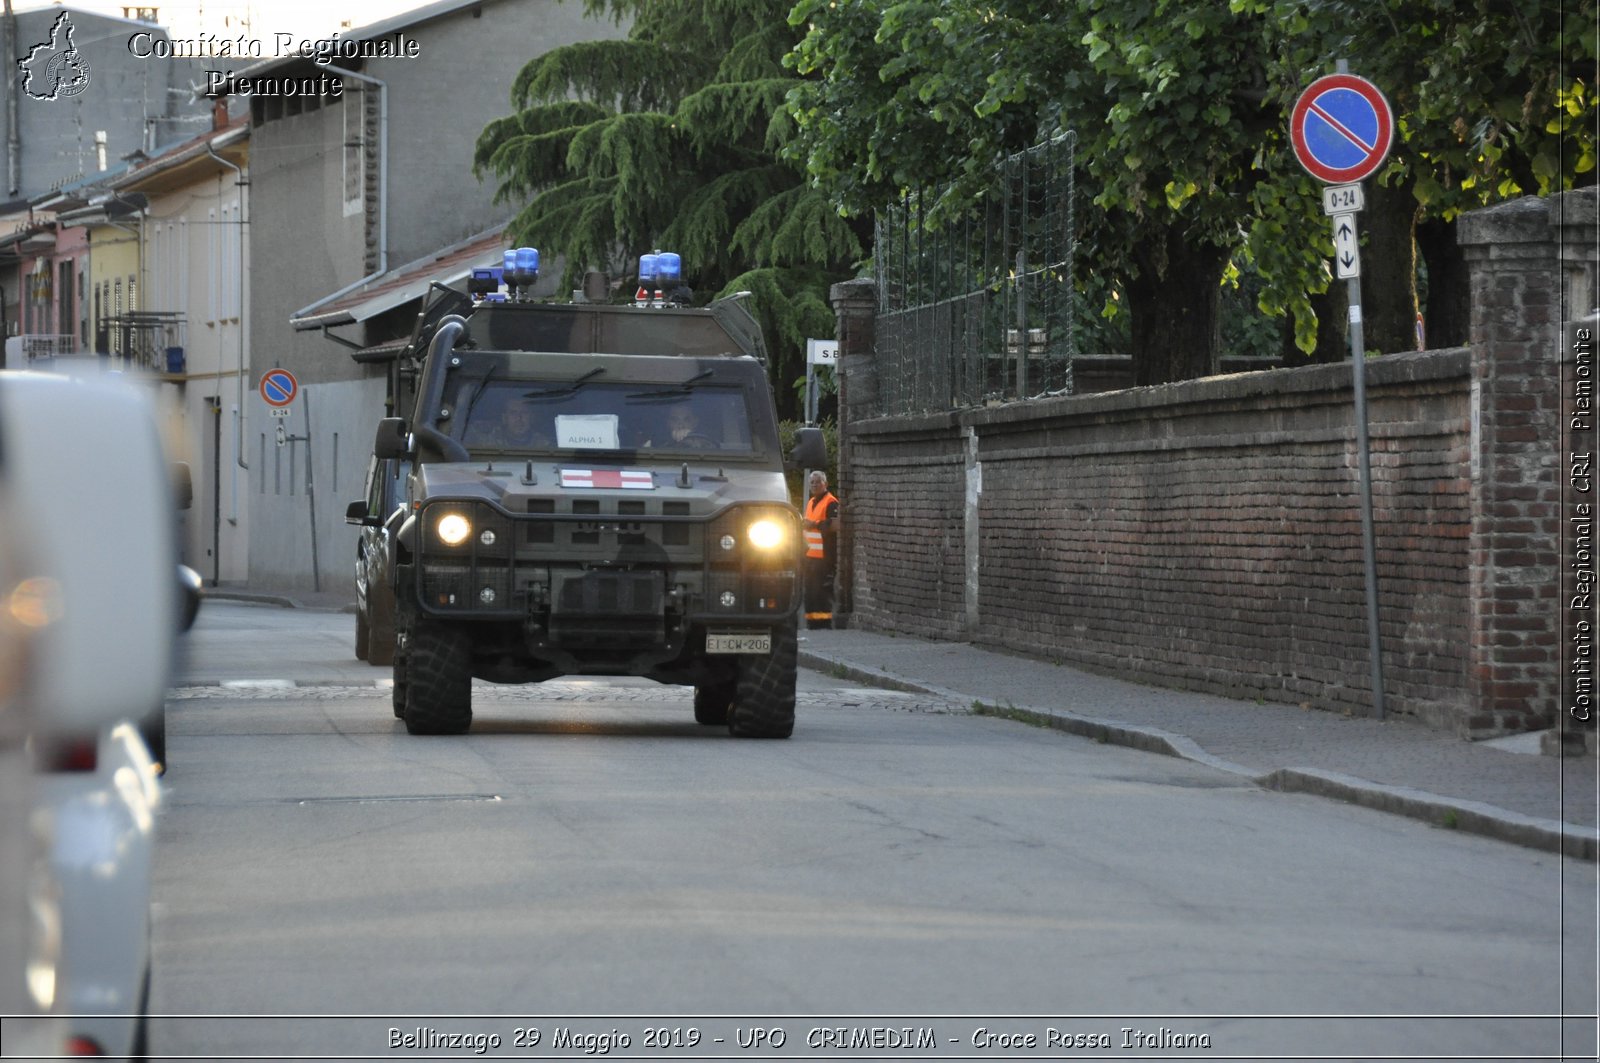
x=1448, y=813
x=278, y=600
x=1469, y=817
x=248, y=596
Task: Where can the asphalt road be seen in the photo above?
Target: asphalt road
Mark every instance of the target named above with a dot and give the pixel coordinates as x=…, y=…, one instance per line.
x=589, y=861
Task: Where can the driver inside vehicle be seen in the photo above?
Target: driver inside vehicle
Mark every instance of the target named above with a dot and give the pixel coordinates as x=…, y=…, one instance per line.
x=515, y=428
x=683, y=430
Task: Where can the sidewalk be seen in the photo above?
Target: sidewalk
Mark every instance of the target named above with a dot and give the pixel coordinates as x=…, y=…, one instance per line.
x=1503, y=789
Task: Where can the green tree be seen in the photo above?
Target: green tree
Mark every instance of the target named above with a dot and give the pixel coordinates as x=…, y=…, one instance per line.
x=1181, y=110
x=1491, y=101
x=673, y=138
x=1167, y=100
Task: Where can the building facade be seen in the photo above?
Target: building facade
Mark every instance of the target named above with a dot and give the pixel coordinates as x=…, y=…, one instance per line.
x=86, y=98
x=353, y=186
x=188, y=327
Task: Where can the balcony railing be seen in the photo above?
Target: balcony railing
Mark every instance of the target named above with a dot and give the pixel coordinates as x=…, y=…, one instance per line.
x=33, y=350
x=144, y=339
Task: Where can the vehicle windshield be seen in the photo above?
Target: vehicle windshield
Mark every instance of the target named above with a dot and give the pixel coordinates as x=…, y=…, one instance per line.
x=531, y=417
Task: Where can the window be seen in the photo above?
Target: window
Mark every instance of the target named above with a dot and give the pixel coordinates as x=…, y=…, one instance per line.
x=227, y=267
x=355, y=150
x=180, y=302
x=64, y=309
x=214, y=245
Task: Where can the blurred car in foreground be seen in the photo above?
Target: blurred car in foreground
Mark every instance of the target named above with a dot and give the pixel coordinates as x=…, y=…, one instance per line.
x=88, y=609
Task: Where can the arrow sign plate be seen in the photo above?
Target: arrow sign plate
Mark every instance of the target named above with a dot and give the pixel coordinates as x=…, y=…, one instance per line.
x=1346, y=249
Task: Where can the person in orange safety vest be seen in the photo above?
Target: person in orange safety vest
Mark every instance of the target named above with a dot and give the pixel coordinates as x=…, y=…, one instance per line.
x=822, y=549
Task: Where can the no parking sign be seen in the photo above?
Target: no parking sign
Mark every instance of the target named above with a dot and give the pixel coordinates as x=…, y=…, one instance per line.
x=278, y=388
x=1341, y=128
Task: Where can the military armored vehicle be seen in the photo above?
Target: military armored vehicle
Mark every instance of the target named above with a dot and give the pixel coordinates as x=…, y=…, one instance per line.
x=593, y=490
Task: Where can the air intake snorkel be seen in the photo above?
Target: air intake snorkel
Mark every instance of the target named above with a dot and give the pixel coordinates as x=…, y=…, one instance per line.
x=425, y=417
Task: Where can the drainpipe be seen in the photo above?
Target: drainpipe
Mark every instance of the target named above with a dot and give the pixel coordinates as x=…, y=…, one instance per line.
x=13, y=126
x=383, y=195
x=239, y=180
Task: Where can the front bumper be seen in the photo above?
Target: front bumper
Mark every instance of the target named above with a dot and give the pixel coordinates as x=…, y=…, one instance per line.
x=589, y=570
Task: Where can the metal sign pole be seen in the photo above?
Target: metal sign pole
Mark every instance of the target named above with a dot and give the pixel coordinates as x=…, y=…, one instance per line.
x=1358, y=375
x=1341, y=128
x=311, y=497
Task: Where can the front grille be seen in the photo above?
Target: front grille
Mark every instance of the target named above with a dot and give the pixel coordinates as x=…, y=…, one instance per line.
x=624, y=531
x=609, y=593
x=446, y=586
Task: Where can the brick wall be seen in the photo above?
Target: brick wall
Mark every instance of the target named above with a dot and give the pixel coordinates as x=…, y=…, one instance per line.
x=1532, y=265
x=1204, y=534
x=1207, y=534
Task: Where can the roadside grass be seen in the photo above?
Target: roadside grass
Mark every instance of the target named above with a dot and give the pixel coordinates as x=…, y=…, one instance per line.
x=1008, y=711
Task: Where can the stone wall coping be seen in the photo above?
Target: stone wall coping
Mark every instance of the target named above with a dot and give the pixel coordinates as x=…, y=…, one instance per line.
x=855, y=290
x=1580, y=207
x=1531, y=220
x=1388, y=370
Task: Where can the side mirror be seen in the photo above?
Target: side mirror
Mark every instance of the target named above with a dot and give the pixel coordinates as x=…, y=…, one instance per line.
x=190, y=590
x=356, y=512
x=810, y=449
x=391, y=439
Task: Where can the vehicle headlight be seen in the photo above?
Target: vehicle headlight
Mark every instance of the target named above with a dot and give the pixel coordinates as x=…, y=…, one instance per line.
x=766, y=534
x=453, y=529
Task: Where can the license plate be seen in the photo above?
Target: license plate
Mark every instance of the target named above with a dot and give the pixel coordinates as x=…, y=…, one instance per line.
x=739, y=642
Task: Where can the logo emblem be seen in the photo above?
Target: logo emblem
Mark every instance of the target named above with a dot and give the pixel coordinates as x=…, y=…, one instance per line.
x=55, y=69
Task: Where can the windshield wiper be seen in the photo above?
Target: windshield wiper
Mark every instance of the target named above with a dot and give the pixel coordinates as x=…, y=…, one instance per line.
x=478, y=394
x=565, y=389
x=673, y=391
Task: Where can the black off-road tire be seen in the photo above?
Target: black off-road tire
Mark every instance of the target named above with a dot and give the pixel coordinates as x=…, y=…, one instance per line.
x=438, y=680
x=763, y=696
x=712, y=698
x=400, y=685
x=153, y=729
x=380, y=629
x=363, y=634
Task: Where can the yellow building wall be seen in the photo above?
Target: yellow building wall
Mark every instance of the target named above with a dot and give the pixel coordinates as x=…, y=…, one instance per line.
x=114, y=276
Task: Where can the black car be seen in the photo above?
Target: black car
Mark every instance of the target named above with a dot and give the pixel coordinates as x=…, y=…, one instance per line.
x=377, y=515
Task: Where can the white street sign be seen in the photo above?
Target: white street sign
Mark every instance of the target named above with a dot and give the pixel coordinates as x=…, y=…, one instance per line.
x=1346, y=249
x=822, y=352
x=1342, y=199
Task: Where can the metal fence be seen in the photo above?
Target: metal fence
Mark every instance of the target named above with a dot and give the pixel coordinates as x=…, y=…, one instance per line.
x=977, y=305
x=146, y=339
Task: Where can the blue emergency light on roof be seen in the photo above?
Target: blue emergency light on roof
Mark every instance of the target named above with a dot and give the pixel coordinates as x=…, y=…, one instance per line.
x=658, y=270
x=520, y=271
